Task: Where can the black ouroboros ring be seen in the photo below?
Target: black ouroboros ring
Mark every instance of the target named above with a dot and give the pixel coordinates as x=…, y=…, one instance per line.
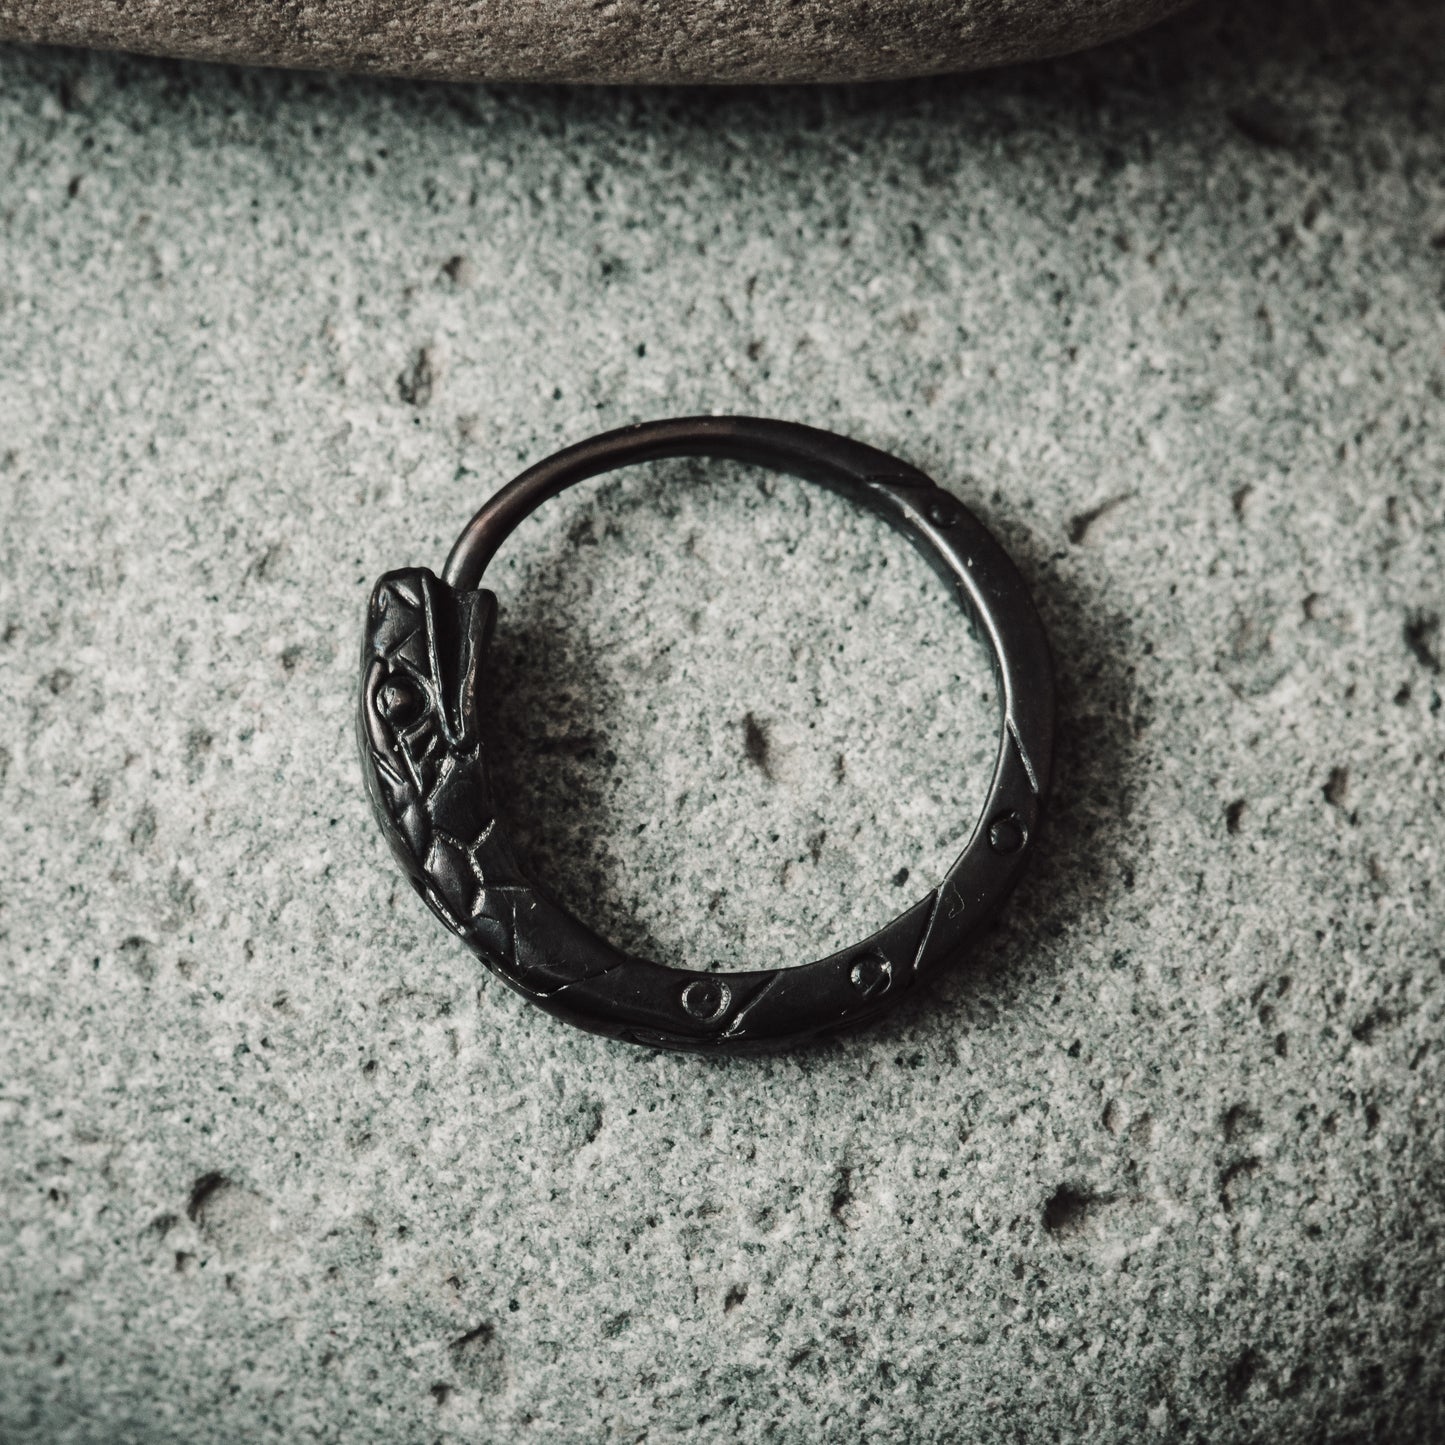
x=425, y=702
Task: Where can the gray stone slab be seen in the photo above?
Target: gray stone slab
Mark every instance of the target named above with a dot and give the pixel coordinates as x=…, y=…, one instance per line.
x=583, y=41
x=1163, y=1160
x=594, y=41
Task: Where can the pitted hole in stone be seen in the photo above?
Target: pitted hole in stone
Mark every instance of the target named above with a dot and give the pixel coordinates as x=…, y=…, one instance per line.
x=871, y=975
x=1006, y=834
x=202, y=1192
x=234, y=1222
x=706, y=999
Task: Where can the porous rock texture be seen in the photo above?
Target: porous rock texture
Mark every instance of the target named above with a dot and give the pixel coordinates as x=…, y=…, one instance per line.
x=607, y=41
x=1162, y=1160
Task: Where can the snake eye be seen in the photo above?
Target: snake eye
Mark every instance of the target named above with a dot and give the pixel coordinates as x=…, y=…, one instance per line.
x=400, y=702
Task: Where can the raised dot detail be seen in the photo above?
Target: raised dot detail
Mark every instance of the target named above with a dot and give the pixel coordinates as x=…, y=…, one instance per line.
x=706, y=999
x=1006, y=834
x=871, y=975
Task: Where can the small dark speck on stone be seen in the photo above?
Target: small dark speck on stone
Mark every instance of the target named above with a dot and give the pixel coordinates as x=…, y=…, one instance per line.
x=1081, y=522
x=1234, y=1179
x=60, y=681
x=415, y=384
x=1336, y=786
x=900, y=878
x=1067, y=1211
x=1299, y=1377
x=143, y=830
x=734, y=1297
x=1234, y=815
x=460, y=271
x=1422, y=637
x=589, y=1120
x=441, y=1392
x=582, y=533
x=1240, y=1375
x=478, y=1338
x=755, y=741
x=1364, y=1032
x=204, y=1189
x=1241, y=1121
x=136, y=953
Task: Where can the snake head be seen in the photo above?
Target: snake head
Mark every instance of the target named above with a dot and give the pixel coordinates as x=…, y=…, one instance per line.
x=421, y=656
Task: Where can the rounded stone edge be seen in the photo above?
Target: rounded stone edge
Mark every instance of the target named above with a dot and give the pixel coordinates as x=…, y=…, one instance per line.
x=763, y=43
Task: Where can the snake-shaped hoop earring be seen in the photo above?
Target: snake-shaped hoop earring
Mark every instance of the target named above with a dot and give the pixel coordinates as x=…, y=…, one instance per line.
x=424, y=696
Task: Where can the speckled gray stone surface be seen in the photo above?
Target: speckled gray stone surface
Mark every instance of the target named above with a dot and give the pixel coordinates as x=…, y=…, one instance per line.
x=1165, y=1160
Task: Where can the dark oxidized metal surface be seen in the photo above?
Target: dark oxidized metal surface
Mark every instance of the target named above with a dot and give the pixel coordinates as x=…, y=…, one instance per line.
x=422, y=723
